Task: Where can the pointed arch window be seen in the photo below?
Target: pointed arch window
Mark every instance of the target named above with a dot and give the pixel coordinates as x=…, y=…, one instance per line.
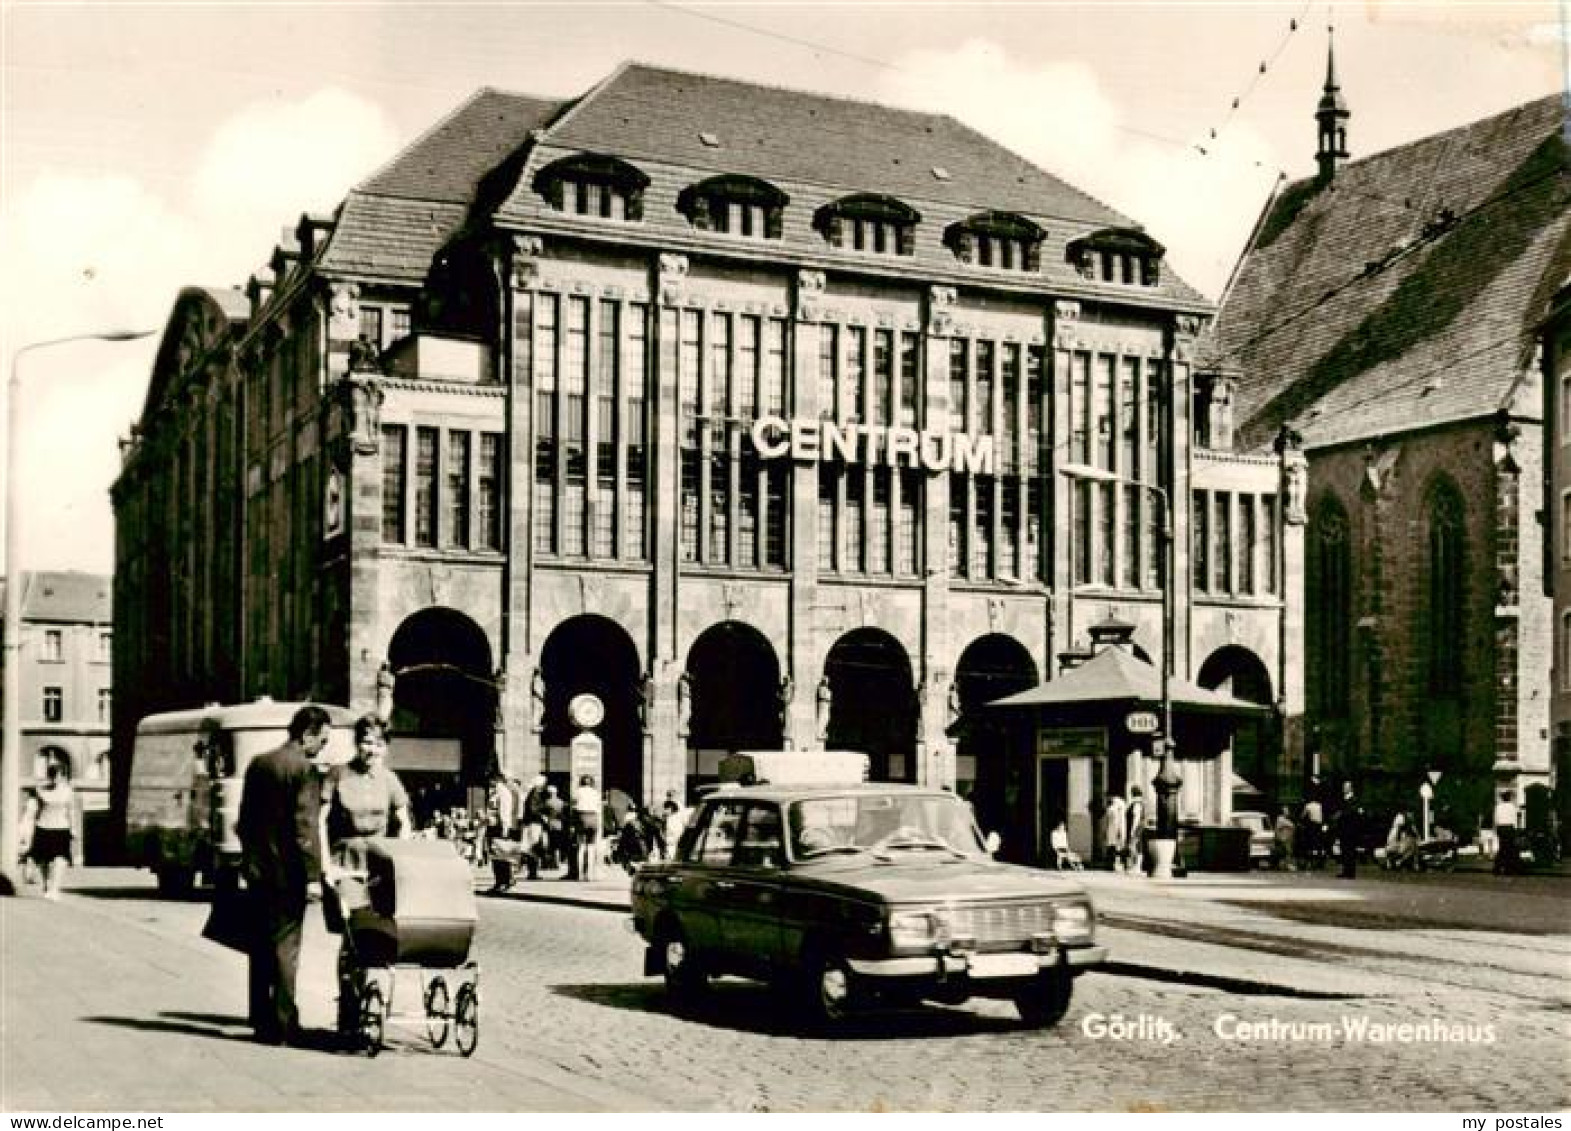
x=1000, y=240
x=866, y=222
x=1447, y=570
x=737, y=206
x=1331, y=608
x=591, y=184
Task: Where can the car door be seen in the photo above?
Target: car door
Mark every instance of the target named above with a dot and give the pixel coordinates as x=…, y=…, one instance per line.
x=701, y=885
x=751, y=921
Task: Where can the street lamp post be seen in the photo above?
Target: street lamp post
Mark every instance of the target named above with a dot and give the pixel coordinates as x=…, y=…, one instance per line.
x=1167, y=781
x=11, y=651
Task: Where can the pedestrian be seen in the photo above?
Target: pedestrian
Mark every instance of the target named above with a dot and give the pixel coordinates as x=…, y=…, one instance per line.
x=1311, y=833
x=1282, y=835
x=280, y=844
x=535, y=840
x=674, y=817
x=1508, y=853
x=586, y=828
x=1115, y=831
x=1349, y=827
x=52, y=816
x=556, y=827
x=1134, y=836
x=501, y=829
x=361, y=799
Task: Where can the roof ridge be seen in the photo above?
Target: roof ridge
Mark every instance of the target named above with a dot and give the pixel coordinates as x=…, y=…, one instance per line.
x=425, y=135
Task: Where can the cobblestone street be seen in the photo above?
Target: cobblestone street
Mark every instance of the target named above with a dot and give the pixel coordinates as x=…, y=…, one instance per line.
x=568, y=1022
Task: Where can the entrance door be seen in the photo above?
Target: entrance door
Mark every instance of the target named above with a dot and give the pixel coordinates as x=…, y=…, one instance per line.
x=1052, y=803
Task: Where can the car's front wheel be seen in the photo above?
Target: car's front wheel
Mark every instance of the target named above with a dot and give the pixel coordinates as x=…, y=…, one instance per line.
x=1044, y=1001
x=831, y=988
x=685, y=977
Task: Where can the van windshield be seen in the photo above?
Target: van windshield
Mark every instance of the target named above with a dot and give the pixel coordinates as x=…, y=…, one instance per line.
x=881, y=823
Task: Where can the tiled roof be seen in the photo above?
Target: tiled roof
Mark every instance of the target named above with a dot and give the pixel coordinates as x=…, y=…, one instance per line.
x=67, y=597
x=392, y=224
x=1359, y=309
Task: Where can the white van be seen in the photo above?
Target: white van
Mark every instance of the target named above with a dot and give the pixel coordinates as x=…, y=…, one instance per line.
x=186, y=772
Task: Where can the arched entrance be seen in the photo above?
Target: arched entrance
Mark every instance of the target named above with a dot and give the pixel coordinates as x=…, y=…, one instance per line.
x=736, y=696
x=1239, y=672
x=444, y=709
x=990, y=668
x=591, y=654
x=872, y=705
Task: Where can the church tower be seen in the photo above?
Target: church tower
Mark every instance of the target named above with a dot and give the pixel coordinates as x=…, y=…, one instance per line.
x=1331, y=117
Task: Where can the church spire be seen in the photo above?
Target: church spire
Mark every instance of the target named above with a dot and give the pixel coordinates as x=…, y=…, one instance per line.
x=1331, y=118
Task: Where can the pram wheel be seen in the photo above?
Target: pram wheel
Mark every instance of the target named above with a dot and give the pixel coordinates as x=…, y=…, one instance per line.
x=437, y=1001
x=466, y=1019
x=373, y=1015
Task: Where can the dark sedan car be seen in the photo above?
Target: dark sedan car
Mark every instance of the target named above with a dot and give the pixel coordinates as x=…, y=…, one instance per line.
x=850, y=894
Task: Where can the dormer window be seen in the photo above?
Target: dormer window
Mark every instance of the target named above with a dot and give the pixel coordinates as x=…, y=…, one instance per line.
x=738, y=206
x=1124, y=256
x=1000, y=240
x=593, y=185
x=878, y=224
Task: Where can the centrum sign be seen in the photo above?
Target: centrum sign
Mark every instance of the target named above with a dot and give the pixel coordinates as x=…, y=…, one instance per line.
x=810, y=441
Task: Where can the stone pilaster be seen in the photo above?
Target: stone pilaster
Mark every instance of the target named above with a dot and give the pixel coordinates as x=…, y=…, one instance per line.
x=935, y=749
x=803, y=654
x=521, y=752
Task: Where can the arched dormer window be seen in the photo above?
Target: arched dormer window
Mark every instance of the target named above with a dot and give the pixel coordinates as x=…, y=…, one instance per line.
x=879, y=224
x=738, y=206
x=1001, y=240
x=591, y=184
x=1447, y=568
x=1330, y=627
x=1126, y=256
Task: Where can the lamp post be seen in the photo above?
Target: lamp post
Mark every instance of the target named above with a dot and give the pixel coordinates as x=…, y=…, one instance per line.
x=11, y=652
x=1164, y=844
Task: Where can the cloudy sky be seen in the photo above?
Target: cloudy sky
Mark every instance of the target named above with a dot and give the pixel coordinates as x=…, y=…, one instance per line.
x=144, y=147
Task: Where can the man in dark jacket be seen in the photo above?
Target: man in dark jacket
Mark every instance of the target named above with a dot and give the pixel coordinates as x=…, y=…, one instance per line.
x=1349, y=828
x=281, y=857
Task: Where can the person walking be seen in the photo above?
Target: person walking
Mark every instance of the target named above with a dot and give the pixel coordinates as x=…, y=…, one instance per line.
x=52, y=816
x=1508, y=853
x=501, y=831
x=674, y=817
x=1349, y=827
x=280, y=845
x=536, y=840
x=1134, y=839
x=1282, y=836
x=586, y=828
x=1311, y=833
x=361, y=799
x=1115, y=831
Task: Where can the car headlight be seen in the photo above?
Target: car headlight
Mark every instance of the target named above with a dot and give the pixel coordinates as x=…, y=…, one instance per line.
x=917, y=928
x=1073, y=922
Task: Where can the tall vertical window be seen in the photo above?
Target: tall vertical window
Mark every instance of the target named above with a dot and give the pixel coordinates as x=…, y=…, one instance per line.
x=982, y=547
x=546, y=448
x=852, y=392
x=1082, y=531
x=425, y=486
x=1222, y=541
x=1129, y=417
x=1152, y=469
x=394, y=471
x=774, y=366
x=575, y=427
x=1036, y=564
x=777, y=495
x=910, y=381
x=1331, y=609
x=959, y=374
x=689, y=358
x=828, y=371
x=456, y=504
x=1106, y=533
x=719, y=384
x=1131, y=540
x=54, y=704
x=488, y=515
x=853, y=552
x=1200, y=514
x=1034, y=435
x=1268, y=541
x=54, y=646
x=1008, y=424
x=882, y=409
x=1446, y=573
x=909, y=525
x=957, y=527
x=1009, y=528
x=635, y=433
x=1080, y=408
x=1247, y=538
x=828, y=490
x=985, y=354
x=878, y=525
x=608, y=360
x=1102, y=410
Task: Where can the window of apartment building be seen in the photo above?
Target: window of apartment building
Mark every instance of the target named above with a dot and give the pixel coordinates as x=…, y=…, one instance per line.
x=53, y=646
x=488, y=493
x=456, y=506
x=594, y=186
x=1565, y=526
x=1447, y=570
x=1000, y=240
x=105, y=702
x=1565, y=651
x=382, y=324
x=106, y=646
x=425, y=486
x=733, y=205
x=54, y=704
x=1564, y=423
x=395, y=471
x=1124, y=256
x=880, y=225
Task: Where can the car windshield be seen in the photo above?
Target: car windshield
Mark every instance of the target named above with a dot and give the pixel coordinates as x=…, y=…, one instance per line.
x=882, y=822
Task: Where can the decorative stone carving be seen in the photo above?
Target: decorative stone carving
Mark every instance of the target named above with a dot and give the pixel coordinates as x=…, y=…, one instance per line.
x=1066, y=316
x=344, y=311
x=940, y=310
x=673, y=277
x=684, y=703
x=360, y=396
x=823, y=705
x=536, y=701
x=524, y=266
x=810, y=287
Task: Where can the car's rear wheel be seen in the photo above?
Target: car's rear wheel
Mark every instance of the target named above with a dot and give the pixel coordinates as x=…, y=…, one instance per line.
x=685, y=977
x=1044, y=1001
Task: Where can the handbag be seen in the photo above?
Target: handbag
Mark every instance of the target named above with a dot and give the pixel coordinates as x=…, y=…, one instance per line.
x=230, y=923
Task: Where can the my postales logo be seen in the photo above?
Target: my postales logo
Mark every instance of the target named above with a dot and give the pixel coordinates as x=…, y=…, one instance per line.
x=813, y=441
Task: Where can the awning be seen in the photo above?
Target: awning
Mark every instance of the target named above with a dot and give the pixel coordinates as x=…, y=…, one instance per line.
x=1116, y=678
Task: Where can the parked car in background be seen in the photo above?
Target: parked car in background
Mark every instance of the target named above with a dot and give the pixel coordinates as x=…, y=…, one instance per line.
x=856, y=893
x=1260, y=836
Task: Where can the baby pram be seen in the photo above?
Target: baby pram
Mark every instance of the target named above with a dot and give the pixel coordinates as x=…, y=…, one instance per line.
x=412, y=914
